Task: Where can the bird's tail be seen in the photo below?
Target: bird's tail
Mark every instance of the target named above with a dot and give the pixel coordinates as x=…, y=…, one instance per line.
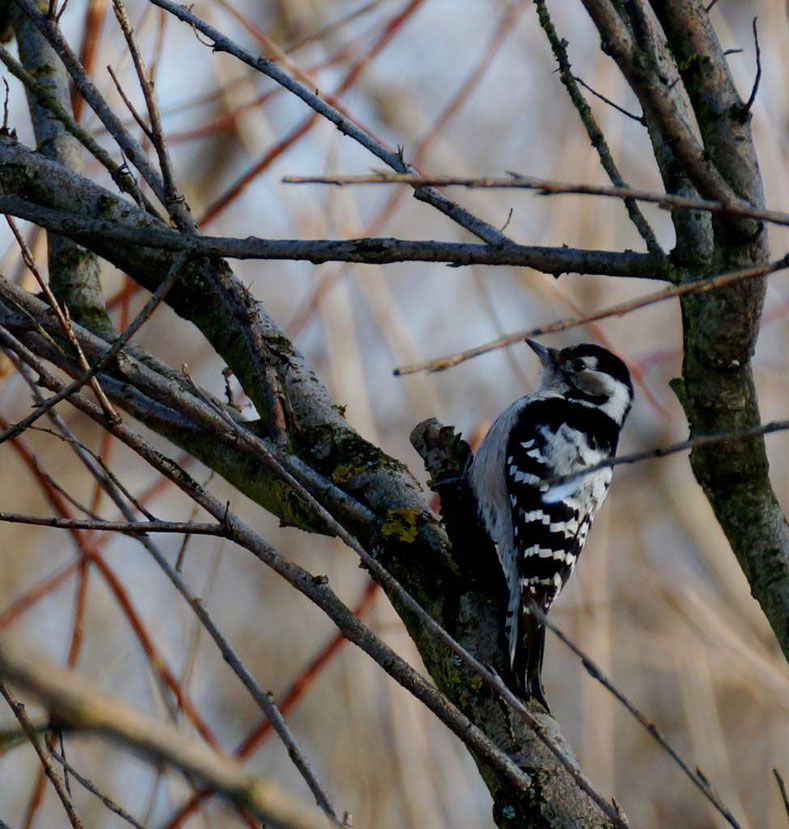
x=527, y=664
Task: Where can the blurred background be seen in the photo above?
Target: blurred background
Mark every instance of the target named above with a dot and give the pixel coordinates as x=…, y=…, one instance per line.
x=659, y=602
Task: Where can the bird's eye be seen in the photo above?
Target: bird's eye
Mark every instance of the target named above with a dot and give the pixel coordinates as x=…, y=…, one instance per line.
x=577, y=365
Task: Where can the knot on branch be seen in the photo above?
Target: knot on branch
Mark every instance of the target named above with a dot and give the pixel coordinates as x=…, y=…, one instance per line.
x=447, y=458
x=445, y=454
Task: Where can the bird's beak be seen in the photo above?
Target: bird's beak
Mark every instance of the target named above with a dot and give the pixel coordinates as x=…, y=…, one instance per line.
x=548, y=356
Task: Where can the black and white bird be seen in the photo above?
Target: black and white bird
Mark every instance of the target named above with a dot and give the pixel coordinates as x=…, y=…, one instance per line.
x=571, y=422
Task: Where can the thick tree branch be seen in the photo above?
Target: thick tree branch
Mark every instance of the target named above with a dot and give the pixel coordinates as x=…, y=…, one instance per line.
x=720, y=330
x=73, y=270
x=717, y=389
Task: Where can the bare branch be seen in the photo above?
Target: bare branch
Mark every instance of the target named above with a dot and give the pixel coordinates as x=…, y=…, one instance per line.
x=369, y=251
x=84, y=707
x=757, y=79
x=392, y=158
x=174, y=200
x=62, y=318
x=127, y=527
x=694, y=286
x=782, y=790
x=698, y=779
x=138, y=119
x=637, y=118
x=547, y=187
x=117, y=346
x=42, y=751
x=596, y=136
x=673, y=448
x=93, y=789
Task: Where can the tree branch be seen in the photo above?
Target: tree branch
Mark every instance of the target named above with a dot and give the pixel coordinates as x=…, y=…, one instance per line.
x=548, y=187
x=392, y=158
x=83, y=707
x=73, y=271
x=720, y=331
x=596, y=136
x=128, y=527
x=46, y=761
x=701, y=285
x=120, y=223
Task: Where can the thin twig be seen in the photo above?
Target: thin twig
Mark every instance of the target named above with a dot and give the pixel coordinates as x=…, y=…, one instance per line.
x=139, y=120
x=62, y=317
x=752, y=96
x=697, y=778
x=593, y=130
x=548, y=187
x=43, y=753
x=93, y=462
x=82, y=706
x=93, y=789
x=638, y=118
x=782, y=789
x=673, y=448
x=127, y=527
x=148, y=309
x=5, y=130
x=693, y=286
x=392, y=158
x=175, y=202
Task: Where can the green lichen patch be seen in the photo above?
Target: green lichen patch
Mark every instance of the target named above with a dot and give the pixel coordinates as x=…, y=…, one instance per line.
x=401, y=524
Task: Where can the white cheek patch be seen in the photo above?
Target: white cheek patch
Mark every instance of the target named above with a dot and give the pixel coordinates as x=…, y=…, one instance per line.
x=620, y=398
x=617, y=395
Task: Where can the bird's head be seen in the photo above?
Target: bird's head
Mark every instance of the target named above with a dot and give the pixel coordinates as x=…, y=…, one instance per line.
x=588, y=373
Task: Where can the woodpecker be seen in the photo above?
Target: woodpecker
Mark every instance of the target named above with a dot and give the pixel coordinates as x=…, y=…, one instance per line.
x=571, y=422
